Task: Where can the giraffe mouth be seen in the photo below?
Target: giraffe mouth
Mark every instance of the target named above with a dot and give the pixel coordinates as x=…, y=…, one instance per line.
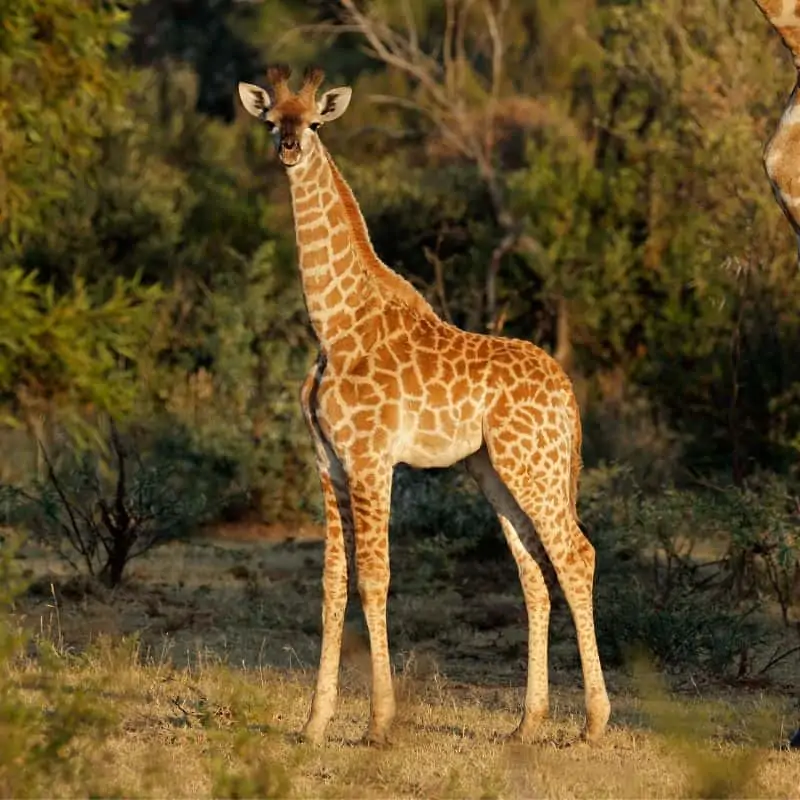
x=290, y=154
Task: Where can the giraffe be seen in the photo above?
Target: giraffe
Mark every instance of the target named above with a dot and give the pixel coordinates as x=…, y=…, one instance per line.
x=782, y=151
x=393, y=383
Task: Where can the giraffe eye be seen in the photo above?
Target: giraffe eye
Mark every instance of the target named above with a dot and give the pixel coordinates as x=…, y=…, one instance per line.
x=270, y=124
x=315, y=126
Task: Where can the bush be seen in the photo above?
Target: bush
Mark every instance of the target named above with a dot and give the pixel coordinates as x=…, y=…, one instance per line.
x=62, y=354
x=665, y=567
x=682, y=573
x=101, y=510
x=445, y=505
x=763, y=557
x=235, y=383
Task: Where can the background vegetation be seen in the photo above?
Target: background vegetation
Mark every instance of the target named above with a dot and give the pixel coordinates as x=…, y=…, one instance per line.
x=583, y=174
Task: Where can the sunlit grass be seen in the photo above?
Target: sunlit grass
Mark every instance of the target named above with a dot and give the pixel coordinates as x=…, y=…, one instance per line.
x=199, y=706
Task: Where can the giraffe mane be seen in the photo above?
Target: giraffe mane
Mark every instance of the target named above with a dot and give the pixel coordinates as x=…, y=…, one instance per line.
x=390, y=284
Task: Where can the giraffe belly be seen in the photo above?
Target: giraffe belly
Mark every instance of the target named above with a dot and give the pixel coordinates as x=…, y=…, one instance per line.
x=442, y=448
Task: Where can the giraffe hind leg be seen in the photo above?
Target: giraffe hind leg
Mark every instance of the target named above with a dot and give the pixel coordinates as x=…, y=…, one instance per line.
x=543, y=494
x=536, y=575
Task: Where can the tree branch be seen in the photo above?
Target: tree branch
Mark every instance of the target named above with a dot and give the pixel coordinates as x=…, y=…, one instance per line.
x=505, y=245
x=76, y=539
x=436, y=262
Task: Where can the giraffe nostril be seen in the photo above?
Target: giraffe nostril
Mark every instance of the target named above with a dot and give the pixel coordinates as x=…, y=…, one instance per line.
x=290, y=144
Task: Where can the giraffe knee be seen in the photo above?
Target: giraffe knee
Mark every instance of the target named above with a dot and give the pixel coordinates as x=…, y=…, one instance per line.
x=534, y=585
x=588, y=554
x=582, y=552
x=373, y=589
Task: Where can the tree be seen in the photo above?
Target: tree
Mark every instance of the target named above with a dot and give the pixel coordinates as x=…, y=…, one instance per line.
x=65, y=346
x=60, y=88
x=458, y=79
x=69, y=356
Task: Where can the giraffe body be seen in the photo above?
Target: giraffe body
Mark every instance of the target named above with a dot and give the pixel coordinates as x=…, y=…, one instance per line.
x=394, y=383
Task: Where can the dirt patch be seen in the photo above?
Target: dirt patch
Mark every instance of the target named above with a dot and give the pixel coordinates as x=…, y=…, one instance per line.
x=259, y=532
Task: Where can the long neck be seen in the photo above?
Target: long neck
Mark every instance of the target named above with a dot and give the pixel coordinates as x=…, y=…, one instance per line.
x=390, y=285
x=336, y=286
x=353, y=274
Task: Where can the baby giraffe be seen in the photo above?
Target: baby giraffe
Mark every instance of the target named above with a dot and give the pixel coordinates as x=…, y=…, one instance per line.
x=394, y=383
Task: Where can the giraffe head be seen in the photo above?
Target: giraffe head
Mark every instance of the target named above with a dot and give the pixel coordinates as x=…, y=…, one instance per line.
x=294, y=119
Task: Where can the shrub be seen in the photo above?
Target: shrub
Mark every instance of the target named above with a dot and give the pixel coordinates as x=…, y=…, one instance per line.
x=681, y=572
x=445, y=505
x=665, y=566
x=763, y=556
x=103, y=509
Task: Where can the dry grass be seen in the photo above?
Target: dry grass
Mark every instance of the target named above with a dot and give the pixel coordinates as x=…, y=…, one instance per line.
x=207, y=697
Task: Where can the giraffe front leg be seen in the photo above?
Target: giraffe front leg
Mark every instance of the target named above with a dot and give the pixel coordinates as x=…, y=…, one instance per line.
x=334, y=603
x=338, y=548
x=370, y=493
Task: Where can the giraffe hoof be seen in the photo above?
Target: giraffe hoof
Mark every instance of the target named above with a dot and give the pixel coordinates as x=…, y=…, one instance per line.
x=592, y=734
x=312, y=736
x=520, y=735
x=596, y=722
x=379, y=739
x=529, y=728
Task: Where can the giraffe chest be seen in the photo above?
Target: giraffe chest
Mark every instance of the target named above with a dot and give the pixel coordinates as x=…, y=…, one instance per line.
x=409, y=414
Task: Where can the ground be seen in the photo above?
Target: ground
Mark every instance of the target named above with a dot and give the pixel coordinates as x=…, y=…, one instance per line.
x=204, y=662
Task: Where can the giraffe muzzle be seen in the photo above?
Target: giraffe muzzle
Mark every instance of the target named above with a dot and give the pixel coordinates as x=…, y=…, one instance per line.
x=290, y=152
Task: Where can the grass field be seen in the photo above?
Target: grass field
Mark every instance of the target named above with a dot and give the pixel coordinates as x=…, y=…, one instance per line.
x=194, y=678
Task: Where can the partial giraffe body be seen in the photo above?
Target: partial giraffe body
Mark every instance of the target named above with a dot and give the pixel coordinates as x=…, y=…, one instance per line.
x=782, y=153
x=394, y=383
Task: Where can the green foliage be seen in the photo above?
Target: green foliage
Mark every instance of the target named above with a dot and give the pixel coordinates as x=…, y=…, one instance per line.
x=59, y=89
x=626, y=147
x=763, y=557
x=255, y=773
x=213, y=37
x=69, y=352
x=444, y=508
x=669, y=572
x=66, y=349
x=236, y=386
x=686, y=731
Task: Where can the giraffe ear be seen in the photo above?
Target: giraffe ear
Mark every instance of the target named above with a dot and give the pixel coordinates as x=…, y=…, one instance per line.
x=255, y=99
x=334, y=103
